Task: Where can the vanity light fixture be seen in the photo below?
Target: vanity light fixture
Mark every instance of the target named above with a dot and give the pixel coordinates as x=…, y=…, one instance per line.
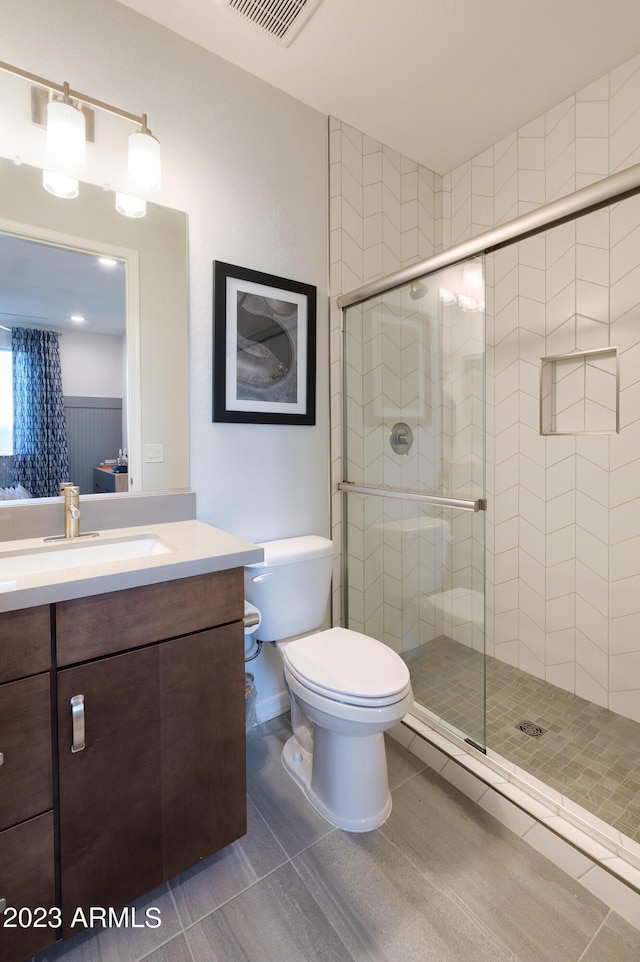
x=59, y=184
x=447, y=297
x=66, y=143
x=130, y=206
x=144, y=159
x=66, y=135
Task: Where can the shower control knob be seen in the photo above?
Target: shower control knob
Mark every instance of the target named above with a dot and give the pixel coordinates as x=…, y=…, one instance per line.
x=401, y=438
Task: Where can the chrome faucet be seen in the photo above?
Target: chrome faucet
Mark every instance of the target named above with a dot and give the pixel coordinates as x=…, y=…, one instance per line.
x=71, y=493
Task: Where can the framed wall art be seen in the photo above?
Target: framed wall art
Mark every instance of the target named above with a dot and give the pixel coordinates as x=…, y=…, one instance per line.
x=264, y=347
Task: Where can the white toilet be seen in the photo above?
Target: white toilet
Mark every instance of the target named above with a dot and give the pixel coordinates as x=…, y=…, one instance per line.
x=346, y=689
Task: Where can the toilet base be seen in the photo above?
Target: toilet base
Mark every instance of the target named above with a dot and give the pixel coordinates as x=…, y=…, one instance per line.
x=356, y=798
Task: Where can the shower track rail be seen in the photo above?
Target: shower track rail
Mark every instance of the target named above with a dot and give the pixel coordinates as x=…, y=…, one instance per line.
x=350, y=488
x=609, y=190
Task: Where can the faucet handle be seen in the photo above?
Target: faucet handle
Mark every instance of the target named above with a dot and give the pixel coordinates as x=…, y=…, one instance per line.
x=71, y=511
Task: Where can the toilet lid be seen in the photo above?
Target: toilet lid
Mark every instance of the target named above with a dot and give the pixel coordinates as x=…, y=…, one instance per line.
x=342, y=662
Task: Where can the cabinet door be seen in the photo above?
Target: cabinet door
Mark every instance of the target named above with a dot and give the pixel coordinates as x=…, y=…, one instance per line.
x=25, y=744
x=160, y=782
x=110, y=799
x=27, y=883
x=203, y=745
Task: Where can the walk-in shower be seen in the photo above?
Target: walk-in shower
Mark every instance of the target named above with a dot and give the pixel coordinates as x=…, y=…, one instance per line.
x=491, y=479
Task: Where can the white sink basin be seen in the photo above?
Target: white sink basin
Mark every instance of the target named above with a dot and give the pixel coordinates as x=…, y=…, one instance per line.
x=78, y=553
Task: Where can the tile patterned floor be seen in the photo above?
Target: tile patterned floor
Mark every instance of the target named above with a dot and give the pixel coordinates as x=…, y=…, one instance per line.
x=588, y=753
x=441, y=881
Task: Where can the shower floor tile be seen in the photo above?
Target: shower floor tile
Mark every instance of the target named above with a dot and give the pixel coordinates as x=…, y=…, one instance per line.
x=588, y=753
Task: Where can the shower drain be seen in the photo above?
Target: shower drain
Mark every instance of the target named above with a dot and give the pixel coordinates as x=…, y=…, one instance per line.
x=530, y=728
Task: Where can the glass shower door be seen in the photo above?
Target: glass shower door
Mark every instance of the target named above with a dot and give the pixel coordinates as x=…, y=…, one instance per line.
x=414, y=394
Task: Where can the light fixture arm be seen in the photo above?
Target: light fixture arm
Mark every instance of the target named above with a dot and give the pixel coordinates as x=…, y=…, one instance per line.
x=67, y=92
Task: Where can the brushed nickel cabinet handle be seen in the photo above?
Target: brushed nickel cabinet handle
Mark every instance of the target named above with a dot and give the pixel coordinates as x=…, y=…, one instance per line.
x=1, y=759
x=3, y=905
x=77, y=722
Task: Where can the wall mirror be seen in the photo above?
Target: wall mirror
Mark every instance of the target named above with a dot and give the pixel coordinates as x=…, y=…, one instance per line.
x=135, y=325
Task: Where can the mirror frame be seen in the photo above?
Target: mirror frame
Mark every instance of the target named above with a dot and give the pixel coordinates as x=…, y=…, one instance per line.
x=155, y=249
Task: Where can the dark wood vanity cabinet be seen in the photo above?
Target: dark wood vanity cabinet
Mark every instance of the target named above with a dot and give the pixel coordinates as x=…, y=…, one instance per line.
x=160, y=782
x=151, y=760
x=27, y=878
x=25, y=743
x=26, y=784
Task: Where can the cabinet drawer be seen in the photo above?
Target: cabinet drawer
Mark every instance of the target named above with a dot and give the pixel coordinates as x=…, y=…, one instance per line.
x=87, y=628
x=25, y=743
x=27, y=882
x=25, y=642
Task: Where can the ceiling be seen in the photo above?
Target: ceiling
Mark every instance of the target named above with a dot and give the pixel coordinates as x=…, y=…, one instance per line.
x=41, y=286
x=437, y=80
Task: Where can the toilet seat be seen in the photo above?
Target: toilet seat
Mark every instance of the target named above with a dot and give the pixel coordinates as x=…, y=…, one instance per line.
x=346, y=666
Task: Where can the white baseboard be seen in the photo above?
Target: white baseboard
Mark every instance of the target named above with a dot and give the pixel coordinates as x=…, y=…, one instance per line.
x=268, y=708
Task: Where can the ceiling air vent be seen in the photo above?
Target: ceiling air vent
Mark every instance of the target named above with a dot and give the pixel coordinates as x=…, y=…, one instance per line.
x=282, y=20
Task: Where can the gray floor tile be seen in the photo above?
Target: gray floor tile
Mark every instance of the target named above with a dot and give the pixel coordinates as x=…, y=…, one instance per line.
x=531, y=906
x=401, y=763
x=280, y=801
x=214, y=881
x=121, y=944
x=385, y=909
x=617, y=941
x=177, y=950
x=276, y=920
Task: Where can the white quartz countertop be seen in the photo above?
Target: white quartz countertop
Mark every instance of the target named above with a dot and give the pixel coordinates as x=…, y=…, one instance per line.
x=34, y=572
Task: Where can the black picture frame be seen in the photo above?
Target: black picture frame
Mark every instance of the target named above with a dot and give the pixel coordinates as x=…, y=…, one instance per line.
x=264, y=347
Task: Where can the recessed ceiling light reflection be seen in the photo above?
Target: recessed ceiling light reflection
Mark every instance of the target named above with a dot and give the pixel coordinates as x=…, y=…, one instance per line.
x=78, y=318
x=108, y=261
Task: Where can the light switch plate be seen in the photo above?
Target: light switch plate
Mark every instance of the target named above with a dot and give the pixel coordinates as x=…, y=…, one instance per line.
x=153, y=453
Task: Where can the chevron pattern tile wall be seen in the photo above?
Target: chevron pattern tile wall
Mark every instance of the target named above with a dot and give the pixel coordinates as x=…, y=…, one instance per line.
x=563, y=526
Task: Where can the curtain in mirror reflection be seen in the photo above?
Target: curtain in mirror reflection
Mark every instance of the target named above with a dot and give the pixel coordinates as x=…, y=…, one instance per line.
x=41, y=459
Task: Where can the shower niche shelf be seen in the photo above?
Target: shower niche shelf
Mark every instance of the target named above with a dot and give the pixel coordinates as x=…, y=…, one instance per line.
x=580, y=393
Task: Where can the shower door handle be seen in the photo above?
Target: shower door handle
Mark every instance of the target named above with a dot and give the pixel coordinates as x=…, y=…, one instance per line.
x=480, y=504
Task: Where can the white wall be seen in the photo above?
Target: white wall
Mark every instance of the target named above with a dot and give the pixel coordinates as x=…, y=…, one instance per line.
x=92, y=364
x=249, y=166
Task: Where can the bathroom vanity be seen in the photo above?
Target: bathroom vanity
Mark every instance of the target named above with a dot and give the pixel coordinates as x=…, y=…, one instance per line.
x=121, y=725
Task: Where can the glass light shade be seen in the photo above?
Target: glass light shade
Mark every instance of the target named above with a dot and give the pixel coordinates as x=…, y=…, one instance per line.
x=130, y=206
x=144, y=161
x=66, y=141
x=59, y=184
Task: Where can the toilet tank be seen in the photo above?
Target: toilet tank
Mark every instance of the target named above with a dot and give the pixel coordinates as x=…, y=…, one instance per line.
x=291, y=586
